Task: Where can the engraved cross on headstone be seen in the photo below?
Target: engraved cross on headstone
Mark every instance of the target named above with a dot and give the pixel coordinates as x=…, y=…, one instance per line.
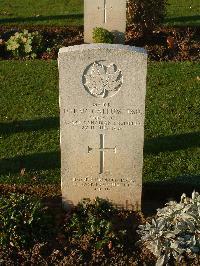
x=102, y=149
x=104, y=11
x=107, y=14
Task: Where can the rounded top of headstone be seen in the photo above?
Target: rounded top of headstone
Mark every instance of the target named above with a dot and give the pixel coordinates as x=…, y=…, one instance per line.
x=97, y=46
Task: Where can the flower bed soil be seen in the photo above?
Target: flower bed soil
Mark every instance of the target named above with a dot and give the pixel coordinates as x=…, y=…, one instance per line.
x=164, y=44
x=62, y=249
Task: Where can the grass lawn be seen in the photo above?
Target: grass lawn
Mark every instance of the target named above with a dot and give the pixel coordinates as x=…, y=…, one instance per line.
x=29, y=123
x=43, y=12
x=70, y=12
x=183, y=12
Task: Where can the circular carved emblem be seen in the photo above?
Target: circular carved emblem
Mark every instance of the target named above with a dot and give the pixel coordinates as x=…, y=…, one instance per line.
x=102, y=80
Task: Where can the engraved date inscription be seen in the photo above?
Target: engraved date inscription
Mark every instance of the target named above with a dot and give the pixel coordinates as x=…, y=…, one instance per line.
x=102, y=183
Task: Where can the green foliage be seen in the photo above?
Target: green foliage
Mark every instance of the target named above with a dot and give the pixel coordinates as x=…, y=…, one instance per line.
x=95, y=220
x=25, y=44
x=145, y=15
x=101, y=35
x=23, y=221
x=175, y=231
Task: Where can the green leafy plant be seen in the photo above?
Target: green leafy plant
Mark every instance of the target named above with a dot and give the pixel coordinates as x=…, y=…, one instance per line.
x=145, y=15
x=24, y=44
x=175, y=231
x=23, y=221
x=94, y=220
x=101, y=35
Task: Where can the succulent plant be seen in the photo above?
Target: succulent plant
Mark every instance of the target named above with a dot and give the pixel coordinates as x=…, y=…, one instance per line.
x=175, y=231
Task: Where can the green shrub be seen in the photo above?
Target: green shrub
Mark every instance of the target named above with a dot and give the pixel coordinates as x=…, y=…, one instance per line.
x=24, y=44
x=95, y=221
x=23, y=221
x=101, y=35
x=175, y=231
x=145, y=15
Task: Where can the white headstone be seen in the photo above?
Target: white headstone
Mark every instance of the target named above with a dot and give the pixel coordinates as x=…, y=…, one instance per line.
x=102, y=110
x=108, y=14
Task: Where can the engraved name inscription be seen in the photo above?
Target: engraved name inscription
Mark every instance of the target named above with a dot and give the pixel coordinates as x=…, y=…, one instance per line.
x=103, y=116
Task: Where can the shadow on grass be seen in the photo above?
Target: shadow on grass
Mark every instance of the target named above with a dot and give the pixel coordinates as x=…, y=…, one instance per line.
x=29, y=125
x=184, y=19
x=74, y=16
x=156, y=194
x=51, y=160
x=151, y=146
x=34, y=162
x=172, y=143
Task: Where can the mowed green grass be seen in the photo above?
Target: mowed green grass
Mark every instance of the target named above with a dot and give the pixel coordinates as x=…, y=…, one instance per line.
x=43, y=12
x=183, y=12
x=70, y=12
x=29, y=123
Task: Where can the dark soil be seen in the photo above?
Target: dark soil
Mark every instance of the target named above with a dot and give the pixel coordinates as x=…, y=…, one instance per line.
x=67, y=250
x=154, y=195
x=64, y=249
x=169, y=44
x=164, y=44
x=62, y=252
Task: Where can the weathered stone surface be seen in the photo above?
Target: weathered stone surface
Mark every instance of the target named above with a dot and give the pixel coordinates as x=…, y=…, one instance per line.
x=102, y=109
x=108, y=14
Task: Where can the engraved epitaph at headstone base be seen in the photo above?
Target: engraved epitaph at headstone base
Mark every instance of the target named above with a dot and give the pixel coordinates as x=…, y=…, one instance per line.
x=108, y=14
x=102, y=107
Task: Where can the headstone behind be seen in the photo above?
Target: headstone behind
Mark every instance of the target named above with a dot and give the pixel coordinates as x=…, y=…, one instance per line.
x=108, y=14
x=102, y=109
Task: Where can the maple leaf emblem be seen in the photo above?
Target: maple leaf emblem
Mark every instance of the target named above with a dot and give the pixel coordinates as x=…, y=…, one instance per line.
x=100, y=79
